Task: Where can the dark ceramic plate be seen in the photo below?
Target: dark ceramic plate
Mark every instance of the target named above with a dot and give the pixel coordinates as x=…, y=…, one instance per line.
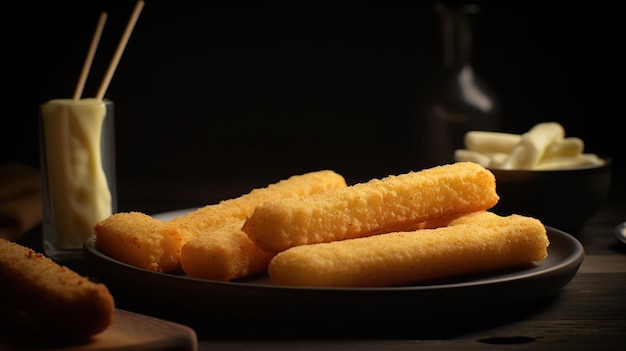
x=244, y=301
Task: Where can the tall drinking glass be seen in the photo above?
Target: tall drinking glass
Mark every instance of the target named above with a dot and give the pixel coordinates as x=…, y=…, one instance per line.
x=77, y=159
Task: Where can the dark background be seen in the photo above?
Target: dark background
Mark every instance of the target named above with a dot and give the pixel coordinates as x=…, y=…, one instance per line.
x=229, y=92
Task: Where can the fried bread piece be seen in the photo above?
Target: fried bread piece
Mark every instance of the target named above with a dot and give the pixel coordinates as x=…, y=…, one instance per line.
x=57, y=300
x=148, y=243
x=475, y=243
x=394, y=203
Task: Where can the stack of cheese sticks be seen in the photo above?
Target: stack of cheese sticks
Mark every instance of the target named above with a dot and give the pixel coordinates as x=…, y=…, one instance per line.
x=398, y=230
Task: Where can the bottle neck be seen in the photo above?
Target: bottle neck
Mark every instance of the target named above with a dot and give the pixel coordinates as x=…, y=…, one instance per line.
x=457, y=36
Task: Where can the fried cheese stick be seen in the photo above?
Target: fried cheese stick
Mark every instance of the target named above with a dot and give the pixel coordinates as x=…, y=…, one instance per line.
x=222, y=251
x=148, y=243
x=224, y=254
x=479, y=242
x=394, y=203
x=140, y=240
x=57, y=300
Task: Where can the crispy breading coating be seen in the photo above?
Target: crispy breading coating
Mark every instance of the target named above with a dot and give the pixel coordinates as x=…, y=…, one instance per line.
x=219, y=250
x=225, y=254
x=478, y=242
x=148, y=243
x=394, y=203
x=140, y=240
x=56, y=299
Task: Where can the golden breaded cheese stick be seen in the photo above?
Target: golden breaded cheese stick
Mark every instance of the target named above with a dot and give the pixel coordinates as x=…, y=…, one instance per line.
x=393, y=203
x=219, y=250
x=140, y=240
x=148, y=243
x=226, y=253
x=239, y=208
x=485, y=242
x=56, y=299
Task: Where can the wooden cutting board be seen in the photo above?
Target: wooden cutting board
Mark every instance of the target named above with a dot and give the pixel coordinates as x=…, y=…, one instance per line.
x=129, y=331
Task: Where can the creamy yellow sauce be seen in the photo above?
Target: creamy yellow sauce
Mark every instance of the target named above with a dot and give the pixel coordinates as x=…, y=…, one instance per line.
x=77, y=184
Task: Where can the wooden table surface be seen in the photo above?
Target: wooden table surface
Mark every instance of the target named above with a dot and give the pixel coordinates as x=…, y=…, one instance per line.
x=588, y=313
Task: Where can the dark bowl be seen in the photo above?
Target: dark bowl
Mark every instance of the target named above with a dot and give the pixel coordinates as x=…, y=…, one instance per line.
x=565, y=199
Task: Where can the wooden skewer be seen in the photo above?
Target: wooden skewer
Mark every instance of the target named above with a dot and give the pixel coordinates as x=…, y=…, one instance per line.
x=90, y=54
x=120, y=49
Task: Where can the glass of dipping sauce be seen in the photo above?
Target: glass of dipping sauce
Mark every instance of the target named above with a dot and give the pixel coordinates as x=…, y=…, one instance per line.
x=77, y=160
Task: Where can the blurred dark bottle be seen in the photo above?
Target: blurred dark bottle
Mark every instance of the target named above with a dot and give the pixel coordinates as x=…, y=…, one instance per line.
x=456, y=100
